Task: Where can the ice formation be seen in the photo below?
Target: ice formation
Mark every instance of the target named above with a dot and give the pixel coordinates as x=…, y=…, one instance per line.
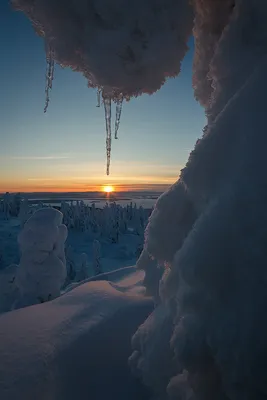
x=42, y=269
x=98, y=97
x=118, y=116
x=123, y=49
x=49, y=76
x=107, y=105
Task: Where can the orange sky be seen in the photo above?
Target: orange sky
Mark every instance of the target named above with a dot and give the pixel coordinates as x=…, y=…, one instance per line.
x=44, y=175
x=63, y=187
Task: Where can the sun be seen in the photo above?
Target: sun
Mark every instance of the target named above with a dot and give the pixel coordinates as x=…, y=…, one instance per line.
x=108, y=189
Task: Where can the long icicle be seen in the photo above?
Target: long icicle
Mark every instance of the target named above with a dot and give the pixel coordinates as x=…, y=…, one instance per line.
x=107, y=105
x=98, y=97
x=118, y=116
x=50, y=69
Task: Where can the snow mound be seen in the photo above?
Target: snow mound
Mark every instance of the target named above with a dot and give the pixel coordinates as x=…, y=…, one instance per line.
x=76, y=344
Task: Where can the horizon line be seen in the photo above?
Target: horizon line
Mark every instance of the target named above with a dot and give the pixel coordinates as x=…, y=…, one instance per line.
x=118, y=189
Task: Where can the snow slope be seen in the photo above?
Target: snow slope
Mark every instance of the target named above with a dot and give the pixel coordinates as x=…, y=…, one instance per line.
x=75, y=346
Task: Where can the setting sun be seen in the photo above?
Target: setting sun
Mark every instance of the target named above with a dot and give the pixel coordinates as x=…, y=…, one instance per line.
x=108, y=189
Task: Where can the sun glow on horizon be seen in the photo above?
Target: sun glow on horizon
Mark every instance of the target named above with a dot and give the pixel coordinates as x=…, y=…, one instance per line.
x=108, y=189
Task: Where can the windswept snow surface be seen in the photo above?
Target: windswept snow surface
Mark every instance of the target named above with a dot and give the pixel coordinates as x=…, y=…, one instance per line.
x=74, y=347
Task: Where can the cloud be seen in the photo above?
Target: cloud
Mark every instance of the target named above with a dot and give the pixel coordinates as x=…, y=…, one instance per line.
x=38, y=158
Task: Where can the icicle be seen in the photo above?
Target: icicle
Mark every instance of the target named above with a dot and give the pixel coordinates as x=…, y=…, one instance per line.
x=98, y=97
x=118, y=116
x=50, y=68
x=107, y=105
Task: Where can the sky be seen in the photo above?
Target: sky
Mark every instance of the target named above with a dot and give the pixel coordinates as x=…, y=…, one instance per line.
x=64, y=149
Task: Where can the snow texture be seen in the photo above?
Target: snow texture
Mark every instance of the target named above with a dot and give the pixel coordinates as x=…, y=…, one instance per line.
x=73, y=346
x=152, y=355
x=211, y=228
x=125, y=49
x=153, y=274
x=42, y=269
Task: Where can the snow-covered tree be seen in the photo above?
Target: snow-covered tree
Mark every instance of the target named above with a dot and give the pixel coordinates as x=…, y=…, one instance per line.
x=42, y=269
x=71, y=264
x=24, y=211
x=7, y=205
x=8, y=288
x=97, y=267
x=16, y=204
x=211, y=225
x=83, y=272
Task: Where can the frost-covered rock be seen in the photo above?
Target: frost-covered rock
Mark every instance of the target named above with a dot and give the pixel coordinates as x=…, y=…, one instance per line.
x=42, y=268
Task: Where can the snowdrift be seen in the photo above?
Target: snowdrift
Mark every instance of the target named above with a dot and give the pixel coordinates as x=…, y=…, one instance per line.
x=75, y=346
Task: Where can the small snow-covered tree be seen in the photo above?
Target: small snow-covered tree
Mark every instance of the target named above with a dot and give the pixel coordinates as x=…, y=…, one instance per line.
x=7, y=205
x=83, y=272
x=97, y=267
x=15, y=204
x=24, y=212
x=8, y=288
x=114, y=224
x=42, y=269
x=71, y=264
